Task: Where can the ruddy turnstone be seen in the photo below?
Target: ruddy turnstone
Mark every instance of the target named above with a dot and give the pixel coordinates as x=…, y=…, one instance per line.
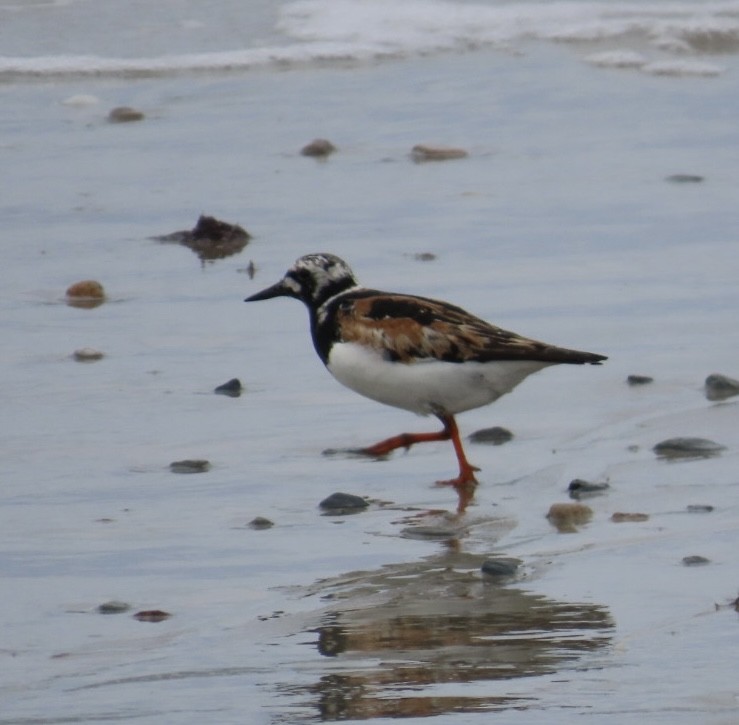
x=419, y=354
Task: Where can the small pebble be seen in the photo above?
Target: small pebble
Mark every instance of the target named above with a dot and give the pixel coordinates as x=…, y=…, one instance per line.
x=86, y=294
x=152, y=615
x=232, y=388
x=318, y=148
x=343, y=503
x=566, y=517
x=687, y=448
x=495, y=436
x=422, y=152
x=579, y=488
x=684, y=179
x=500, y=568
x=695, y=560
x=424, y=256
x=113, y=607
x=620, y=517
x=699, y=508
x=720, y=387
x=124, y=114
x=190, y=465
x=639, y=380
x=259, y=523
x=87, y=354
x=86, y=288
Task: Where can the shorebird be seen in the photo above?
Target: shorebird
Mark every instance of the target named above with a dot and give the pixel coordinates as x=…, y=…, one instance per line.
x=418, y=354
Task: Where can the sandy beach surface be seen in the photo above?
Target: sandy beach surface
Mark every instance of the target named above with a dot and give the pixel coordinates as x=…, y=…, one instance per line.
x=596, y=208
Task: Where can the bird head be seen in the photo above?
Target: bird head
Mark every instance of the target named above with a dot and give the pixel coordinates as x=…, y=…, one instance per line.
x=313, y=279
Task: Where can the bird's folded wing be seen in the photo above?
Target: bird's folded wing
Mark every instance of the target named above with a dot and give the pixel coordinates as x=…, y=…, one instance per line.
x=408, y=328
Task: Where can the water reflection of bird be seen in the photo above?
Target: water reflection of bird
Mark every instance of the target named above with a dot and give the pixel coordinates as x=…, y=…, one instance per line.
x=419, y=354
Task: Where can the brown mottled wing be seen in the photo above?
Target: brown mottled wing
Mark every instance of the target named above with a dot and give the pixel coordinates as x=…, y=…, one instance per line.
x=405, y=327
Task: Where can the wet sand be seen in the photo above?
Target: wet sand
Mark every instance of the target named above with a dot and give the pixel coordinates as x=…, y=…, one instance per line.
x=559, y=225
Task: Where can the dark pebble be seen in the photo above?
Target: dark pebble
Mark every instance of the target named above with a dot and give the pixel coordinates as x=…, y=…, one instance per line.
x=687, y=448
x=720, y=387
x=87, y=354
x=232, y=388
x=685, y=179
x=639, y=380
x=260, y=523
x=194, y=465
x=695, y=560
x=500, y=568
x=495, y=436
x=318, y=148
x=125, y=114
x=621, y=517
x=424, y=257
x=579, y=488
x=113, y=607
x=422, y=152
x=152, y=615
x=699, y=508
x=343, y=503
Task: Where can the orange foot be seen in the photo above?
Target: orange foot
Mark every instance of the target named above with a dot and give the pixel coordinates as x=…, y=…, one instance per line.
x=465, y=483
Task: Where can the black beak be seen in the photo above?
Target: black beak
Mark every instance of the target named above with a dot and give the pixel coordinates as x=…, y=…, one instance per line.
x=276, y=290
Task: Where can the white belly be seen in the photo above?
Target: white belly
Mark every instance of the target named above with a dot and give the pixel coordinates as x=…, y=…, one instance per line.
x=426, y=386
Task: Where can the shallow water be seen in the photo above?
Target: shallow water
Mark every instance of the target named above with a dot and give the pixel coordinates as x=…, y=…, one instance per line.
x=559, y=225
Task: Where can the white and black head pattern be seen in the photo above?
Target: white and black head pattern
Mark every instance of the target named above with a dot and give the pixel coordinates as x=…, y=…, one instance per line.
x=314, y=279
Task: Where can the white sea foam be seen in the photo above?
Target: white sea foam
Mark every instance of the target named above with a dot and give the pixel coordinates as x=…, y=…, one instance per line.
x=81, y=100
x=357, y=30
x=617, y=59
x=682, y=68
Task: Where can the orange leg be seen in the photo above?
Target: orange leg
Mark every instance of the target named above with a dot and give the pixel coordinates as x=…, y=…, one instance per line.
x=465, y=482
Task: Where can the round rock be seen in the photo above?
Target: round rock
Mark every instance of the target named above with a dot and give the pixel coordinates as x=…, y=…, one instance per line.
x=720, y=387
x=687, y=448
x=580, y=488
x=343, y=503
x=113, y=607
x=499, y=568
x=495, y=436
x=318, y=148
x=152, y=615
x=259, y=523
x=86, y=294
x=87, y=354
x=232, y=388
x=124, y=114
x=190, y=465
